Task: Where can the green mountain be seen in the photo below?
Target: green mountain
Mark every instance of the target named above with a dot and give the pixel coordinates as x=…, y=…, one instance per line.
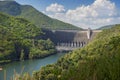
x=20, y=39
x=99, y=60
x=106, y=27
x=33, y=15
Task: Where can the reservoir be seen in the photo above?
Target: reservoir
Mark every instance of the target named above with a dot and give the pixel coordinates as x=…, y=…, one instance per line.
x=27, y=65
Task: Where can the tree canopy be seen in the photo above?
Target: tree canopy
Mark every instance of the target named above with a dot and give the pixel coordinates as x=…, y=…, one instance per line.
x=18, y=38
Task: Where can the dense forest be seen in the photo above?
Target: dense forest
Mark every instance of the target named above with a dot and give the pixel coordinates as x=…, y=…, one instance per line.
x=20, y=39
x=30, y=13
x=99, y=60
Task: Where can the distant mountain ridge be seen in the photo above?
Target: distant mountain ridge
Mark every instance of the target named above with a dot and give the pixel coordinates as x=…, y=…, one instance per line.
x=107, y=27
x=33, y=15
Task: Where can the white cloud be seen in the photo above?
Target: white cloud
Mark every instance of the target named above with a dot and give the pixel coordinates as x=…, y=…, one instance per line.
x=55, y=8
x=99, y=13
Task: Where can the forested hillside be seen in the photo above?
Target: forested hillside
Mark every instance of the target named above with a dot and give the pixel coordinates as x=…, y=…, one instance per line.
x=19, y=40
x=99, y=60
x=106, y=27
x=34, y=16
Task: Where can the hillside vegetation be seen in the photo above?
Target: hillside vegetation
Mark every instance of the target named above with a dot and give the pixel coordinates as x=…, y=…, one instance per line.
x=19, y=40
x=99, y=60
x=106, y=27
x=34, y=16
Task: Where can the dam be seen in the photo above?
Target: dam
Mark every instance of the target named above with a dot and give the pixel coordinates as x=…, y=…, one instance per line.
x=68, y=40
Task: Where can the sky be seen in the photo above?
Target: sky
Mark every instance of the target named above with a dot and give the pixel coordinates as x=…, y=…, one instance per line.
x=82, y=13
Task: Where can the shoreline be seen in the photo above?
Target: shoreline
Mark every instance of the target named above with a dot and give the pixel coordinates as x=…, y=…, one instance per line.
x=9, y=61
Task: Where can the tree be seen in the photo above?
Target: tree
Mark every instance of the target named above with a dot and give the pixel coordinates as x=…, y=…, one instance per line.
x=22, y=55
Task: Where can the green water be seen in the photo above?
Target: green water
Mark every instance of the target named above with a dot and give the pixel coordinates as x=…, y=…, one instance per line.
x=27, y=65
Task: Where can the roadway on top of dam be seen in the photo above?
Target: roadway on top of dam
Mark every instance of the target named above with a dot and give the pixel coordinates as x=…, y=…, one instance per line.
x=84, y=30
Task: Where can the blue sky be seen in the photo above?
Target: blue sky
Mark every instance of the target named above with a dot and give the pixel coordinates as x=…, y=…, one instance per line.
x=42, y=4
x=82, y=13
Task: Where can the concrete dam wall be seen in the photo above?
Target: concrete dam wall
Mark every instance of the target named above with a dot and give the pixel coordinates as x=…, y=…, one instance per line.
x=70, y=39
x=63, y=36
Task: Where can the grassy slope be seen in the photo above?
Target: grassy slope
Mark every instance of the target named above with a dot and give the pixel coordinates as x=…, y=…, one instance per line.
x=33, y=15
